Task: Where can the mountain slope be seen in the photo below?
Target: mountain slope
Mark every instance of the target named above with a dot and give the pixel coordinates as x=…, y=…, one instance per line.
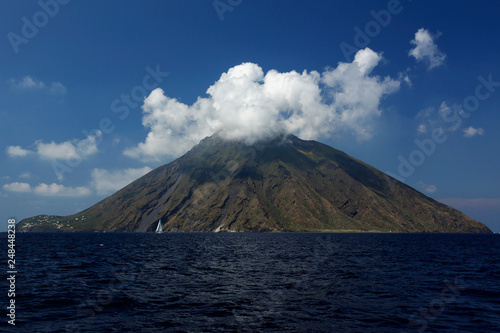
x=286, y=184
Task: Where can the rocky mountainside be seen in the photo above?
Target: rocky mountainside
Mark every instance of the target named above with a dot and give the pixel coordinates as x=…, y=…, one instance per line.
x=286, y=184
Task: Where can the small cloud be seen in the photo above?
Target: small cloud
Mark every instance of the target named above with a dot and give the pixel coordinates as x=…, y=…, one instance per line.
x=403, y=76
x=427, y=188
x=68, y=150
x=17, y=187
x=425, y=113
x=48, y=190
x=55, y=151
x=17, y=151
x=25, y=175
x=115, y=141
x=107, y=182
x=422, y=128
x=406, y=79
x=471, y=131
x=57, y=88
x=74, y=149
x=27, y=82
x=427, y=120
x=448, y=114
x=426, y=50
x=30, y=83
x=444, y=110
x=56, y=190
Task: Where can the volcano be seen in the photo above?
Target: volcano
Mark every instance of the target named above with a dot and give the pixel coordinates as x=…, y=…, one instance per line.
x=282, y=185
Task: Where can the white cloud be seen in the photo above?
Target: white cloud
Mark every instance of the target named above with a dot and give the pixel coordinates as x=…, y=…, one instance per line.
x=57, y=88
x=17, y=151
x=246, y=104
x=444, y=110
x=427, y=188
x=425, y=113
x=447, y=117
x=429, y=119
x=403, y=77
x=426, y=50
x=471, y=131
x=74, y=149
x=60, y=190
x=17, y=187
x=54, y=151
x=27, y=82
x=48, y=190
x=406, y=78
x=422, y=128
x=25, y=175
x=30, y=83
x=107, y=182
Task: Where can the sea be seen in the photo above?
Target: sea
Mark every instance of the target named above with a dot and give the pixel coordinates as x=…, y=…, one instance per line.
x=254, y=282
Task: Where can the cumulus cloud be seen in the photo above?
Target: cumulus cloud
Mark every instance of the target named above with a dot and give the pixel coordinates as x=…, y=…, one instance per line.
x=247, y=105
x=17, y=187
x=43, y=189
x=54, y=151
x=74, y=149
x=471, y=131
x=30, y=83
x=107, y=182
x=426, y=49
x=426, y=188
x=17, y=151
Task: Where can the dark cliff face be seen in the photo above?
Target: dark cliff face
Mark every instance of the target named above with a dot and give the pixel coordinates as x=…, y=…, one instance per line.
x=286, y=184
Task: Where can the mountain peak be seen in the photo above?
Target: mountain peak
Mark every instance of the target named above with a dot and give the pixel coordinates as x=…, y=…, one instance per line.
x=281, y=184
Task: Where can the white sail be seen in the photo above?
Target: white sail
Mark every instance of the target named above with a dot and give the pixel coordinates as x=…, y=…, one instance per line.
x=159, y=230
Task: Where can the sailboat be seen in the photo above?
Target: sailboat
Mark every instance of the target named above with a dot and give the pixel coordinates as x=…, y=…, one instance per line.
x=159, y=230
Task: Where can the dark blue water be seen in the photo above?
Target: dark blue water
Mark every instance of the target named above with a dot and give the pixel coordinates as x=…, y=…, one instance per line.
x=197, y=282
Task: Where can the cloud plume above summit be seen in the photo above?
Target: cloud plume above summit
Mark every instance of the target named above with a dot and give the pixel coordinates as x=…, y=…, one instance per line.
x=247, y=104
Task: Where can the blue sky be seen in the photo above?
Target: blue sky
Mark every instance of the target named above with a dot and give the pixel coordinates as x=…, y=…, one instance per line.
x=75, y=125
